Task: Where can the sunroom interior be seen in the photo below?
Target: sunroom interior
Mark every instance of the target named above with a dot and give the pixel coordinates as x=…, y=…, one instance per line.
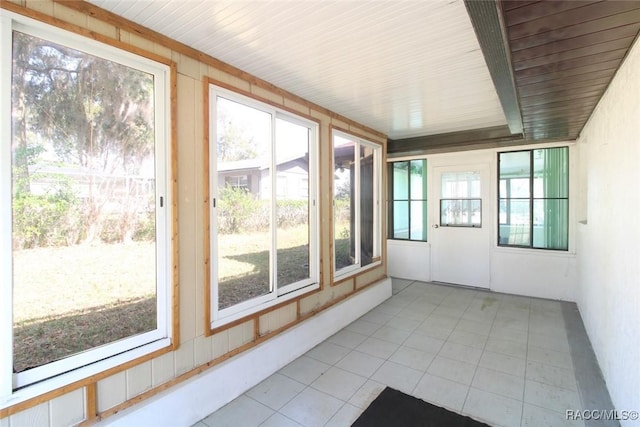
x=204, y=201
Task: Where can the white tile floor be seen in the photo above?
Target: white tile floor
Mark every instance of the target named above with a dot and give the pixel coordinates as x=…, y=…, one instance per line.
x=505, y=360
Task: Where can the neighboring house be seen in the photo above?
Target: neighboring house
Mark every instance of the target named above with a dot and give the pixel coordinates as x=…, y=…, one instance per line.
x=292, y=177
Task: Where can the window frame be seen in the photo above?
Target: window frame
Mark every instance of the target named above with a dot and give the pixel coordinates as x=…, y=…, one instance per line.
x=377, y=197
x=531, y=199
x=15, y=388
x=218, y=318
x=409, y=200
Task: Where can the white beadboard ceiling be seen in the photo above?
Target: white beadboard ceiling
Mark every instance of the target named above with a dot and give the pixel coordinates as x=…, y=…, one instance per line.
x=405, y=68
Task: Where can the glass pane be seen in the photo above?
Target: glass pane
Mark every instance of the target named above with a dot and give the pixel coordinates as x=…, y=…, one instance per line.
x=83, y=201
x=515, y=222
x=292, y=235
x=418, y=179
x=551, y=173
x=344, y=198
x=400, y=180
x=458, y=185
x=550, y=224
x=461, y=212
x=401, y=219
x=244, y=214
x=515, y=171
x=418, y=220
x=367, y=203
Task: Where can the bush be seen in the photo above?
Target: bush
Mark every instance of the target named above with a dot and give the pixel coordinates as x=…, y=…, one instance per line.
x=292, y=213
x=235, y=210
x=145, y=228
x=44, y=220
x=239, y=211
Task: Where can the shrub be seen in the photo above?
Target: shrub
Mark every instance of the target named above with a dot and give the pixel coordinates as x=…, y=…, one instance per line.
x=235, y=209
x=292, y=212
x=45, y=220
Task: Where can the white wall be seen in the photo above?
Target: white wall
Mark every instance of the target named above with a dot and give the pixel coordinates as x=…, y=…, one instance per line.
x=536, y=273
x=609, y=242
x=409, y=260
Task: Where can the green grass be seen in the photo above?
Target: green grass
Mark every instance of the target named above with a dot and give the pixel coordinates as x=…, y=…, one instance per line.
x=243, y=263
x=70, y=299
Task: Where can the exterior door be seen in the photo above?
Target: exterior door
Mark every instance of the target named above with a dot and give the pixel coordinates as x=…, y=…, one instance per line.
x=461, y=225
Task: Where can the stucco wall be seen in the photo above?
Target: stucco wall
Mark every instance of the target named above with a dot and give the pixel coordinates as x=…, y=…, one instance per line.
x=608, y=237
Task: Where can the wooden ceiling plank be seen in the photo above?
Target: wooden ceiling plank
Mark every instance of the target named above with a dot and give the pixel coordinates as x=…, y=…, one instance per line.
x=617, y=33
x=545, y=98
x=553, y=135
x=561, y=85
x=595, y=49
x=548, y=98
x=572, y=63
x=574, y=103
x=601, y=67
x=619, y=20
x=584, y=111
x=548, y=112
x=536, y=10
x=570, y=128
x=560, y=81
x=553, y=121
x=514, y=4
x=574, y=17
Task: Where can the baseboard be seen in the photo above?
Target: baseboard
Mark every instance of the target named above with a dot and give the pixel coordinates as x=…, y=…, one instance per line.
x=189, y=402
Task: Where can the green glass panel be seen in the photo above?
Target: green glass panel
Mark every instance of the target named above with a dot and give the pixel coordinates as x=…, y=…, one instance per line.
x=418, y=170
x=515, y=222
x=400, y=180
x=419, y=220
x=515, y=170
x=550, y=223
x=401, y=219
x=551, y=173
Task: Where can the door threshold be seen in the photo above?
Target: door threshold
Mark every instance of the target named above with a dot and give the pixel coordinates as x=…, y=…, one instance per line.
x=459, y=285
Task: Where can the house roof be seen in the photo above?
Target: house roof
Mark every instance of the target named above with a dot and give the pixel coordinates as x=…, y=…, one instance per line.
x=432, y=75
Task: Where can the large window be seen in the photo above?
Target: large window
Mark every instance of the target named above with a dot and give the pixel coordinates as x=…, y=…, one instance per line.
x=534, y=198
x=86, y=256
x=264, y=236
x=356, y=193
x=408, y=200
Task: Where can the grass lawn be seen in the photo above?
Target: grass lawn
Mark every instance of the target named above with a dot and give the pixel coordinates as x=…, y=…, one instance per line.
x=70, y=299
x=243, y=263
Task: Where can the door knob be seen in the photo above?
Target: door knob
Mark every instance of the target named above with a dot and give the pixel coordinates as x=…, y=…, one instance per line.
x=435, y=226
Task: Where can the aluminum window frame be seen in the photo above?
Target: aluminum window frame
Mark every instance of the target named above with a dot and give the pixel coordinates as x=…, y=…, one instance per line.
x=21, y=386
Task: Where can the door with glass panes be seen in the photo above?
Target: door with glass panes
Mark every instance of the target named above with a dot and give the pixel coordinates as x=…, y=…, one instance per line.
x=461, y=225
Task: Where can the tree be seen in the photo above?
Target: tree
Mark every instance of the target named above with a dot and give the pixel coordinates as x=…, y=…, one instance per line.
x=234, y=142
x=95, y=116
